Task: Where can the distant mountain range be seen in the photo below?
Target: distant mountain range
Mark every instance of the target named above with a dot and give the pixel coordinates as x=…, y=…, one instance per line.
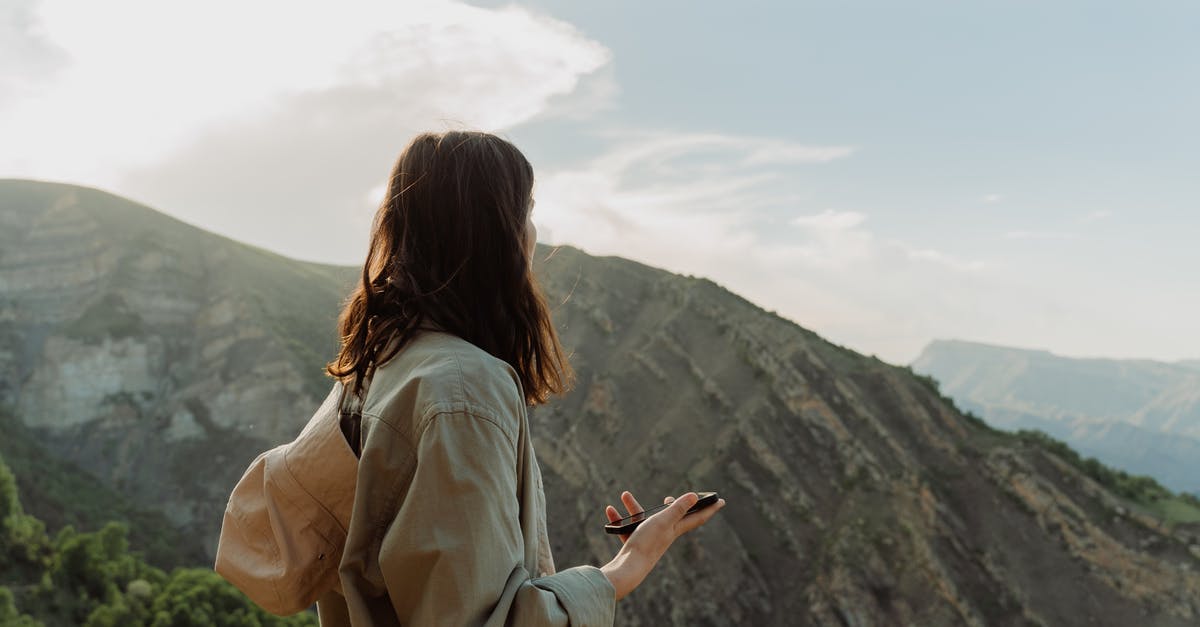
x=161, y=359
x=1142, y=416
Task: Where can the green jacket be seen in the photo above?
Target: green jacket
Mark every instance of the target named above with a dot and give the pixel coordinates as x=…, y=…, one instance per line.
x=447, y=525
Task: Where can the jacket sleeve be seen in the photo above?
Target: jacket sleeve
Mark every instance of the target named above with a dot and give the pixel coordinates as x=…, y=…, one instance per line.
x=454, y=554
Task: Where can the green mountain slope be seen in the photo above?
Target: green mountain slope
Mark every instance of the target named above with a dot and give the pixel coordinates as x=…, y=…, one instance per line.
x=857, y=493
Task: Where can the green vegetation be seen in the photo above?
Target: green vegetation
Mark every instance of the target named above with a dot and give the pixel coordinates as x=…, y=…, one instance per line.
x=1161, y=502
x=935, y=387
x=1183, y=508
x=91, y=578
x=932, y=384
x=60, y=494
x=1136, y=487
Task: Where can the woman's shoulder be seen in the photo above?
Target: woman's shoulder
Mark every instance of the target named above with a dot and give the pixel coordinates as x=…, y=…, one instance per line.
x=439, y=372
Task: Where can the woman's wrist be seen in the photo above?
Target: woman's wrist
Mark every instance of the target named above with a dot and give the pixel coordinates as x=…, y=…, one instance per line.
x=625, y=572
x=612, y=579
x=611, y=570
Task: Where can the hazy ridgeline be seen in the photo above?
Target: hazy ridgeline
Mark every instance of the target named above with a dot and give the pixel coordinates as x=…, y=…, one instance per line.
x=1139, y=415
x=146, y=359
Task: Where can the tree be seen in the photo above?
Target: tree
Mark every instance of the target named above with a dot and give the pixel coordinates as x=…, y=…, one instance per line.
x=9, y=615
x=199, y=597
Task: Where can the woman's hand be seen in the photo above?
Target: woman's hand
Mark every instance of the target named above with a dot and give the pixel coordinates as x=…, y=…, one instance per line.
x=641, y=550
x=631, y=507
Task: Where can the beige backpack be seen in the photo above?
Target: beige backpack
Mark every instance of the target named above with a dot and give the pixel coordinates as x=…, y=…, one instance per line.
x=285, y=524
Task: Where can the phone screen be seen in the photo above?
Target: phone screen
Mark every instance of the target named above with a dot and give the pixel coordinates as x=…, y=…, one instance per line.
x=640, y=516
x=629, y=523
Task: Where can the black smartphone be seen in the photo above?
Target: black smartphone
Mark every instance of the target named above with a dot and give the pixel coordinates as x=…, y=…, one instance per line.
x=629, y=523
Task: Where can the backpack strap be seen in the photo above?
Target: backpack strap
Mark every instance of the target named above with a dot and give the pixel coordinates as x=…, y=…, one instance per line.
x=350, y=412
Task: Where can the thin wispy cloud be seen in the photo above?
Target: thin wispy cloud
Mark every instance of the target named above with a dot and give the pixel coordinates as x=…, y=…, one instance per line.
x=662, y=148
x=692, y=204
x=833, y=239
x=840, y=239
x=1096, y=216
x=779, y=152
x=1040, y=235
x=943, y=258
x=830, y=220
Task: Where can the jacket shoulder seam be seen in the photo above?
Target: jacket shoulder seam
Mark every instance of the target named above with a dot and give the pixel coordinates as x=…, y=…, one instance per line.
x=428, y=420
x=393, y=428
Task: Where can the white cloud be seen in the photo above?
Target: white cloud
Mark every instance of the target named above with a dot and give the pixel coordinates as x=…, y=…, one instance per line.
x=231, y=115
x=276, y=123
x=596, y=93
x=834, y=238
x=28, y=60
x=1096, y=216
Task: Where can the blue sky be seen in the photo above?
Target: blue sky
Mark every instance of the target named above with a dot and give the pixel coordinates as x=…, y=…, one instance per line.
x=884, y=173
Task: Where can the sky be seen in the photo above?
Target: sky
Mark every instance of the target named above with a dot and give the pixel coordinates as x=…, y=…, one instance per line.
x=884, y=173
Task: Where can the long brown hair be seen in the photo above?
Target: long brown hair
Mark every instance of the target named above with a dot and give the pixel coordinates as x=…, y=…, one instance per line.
x=448, y=246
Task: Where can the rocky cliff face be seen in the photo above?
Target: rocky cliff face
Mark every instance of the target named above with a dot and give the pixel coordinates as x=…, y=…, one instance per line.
x=149, y=352
x=163, y=358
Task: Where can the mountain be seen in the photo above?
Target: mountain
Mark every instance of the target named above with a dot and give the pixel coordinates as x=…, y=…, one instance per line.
x=163, y=358
x=150, y=353
x=1143, y=416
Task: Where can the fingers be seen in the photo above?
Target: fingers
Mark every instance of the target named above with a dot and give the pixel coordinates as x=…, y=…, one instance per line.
x=613, y=516
x=631, y=504
x=675, y=514
x=692, y=521
x=681, y=505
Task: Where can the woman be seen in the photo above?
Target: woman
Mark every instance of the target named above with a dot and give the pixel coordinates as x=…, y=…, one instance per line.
x=445, y=342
